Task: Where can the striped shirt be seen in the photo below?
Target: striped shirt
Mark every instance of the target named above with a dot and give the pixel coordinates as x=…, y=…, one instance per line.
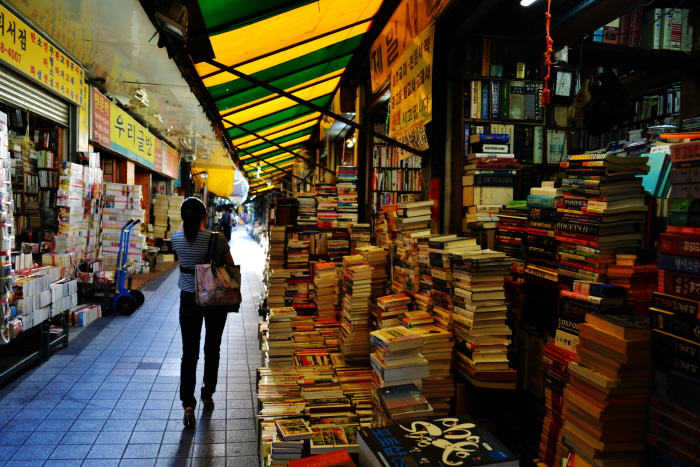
x=192, y=253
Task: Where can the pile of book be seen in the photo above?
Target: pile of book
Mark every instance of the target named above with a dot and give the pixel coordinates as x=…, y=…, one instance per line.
x=396, y=361
x=326, y=206
x=639, y=278
x=297, y=251
x=289, y=442
x=490, y=174
x=360, y=236
x=160, y=214
x=511, y=229
x=306, y=217
x=675, y=320
x=72, y=229
x=602, y=209
x=377, y=258
x=606, y=403
x=346, y=183
x=439, y=387
x=92, y=204
x=276, y=253
x=277, y=288
x=388, y=308
x=277, y=343
x=338, y=246
x=480, y=318
x=357, y=288
x=120, y=204
x=540, y=244
x=325, y=290
x=411, y=220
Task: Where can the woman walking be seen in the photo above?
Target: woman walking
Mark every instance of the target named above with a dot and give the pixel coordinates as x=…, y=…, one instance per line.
x=191, y=243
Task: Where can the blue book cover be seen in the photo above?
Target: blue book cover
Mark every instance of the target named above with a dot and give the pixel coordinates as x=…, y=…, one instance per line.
x=436, y=442
x=495, y=100
x=485, y=102
x=402, y=398
x=678, y=263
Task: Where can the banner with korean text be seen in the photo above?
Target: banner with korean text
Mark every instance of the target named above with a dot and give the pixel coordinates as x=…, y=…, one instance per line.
x=171, y=162
x=129, y=138
x=411, y=104
x=411, y=17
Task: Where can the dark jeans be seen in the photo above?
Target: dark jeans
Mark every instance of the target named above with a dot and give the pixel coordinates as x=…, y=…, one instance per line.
x=191, y=317
x=226, y=229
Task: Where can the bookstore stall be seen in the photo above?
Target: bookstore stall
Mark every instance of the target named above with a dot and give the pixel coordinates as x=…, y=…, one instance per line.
x=542, y=305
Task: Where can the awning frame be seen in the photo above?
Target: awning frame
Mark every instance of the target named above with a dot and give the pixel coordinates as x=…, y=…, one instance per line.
x=269, y=163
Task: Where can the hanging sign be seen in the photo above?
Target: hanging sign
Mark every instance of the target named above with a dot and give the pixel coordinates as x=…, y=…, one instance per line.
x=171, y=162
x=28, y=52
x=100, y=118
x=411, y=17
x=412, y=86
x=129, y=138
x=159, y=153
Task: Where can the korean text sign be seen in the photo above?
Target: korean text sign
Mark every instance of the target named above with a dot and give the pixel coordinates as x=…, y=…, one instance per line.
x=27, y=51
x=412, y=85
x=129, y=138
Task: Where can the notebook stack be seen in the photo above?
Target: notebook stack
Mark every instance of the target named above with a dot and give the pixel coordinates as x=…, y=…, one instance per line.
x=306, y=217
x=388, y=308
x=396, y=361
x=606, y=415
x=675, y=320
x=602, y=209
x=278, y=344
x=346, y=182
x=325, y=287
x=480, y=318
x=377, y=258
x=357, y=288
x=511, y=231
x=639, y=277
x=326, y=206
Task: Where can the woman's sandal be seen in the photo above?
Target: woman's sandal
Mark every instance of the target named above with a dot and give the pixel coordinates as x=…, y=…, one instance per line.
x=188, y=419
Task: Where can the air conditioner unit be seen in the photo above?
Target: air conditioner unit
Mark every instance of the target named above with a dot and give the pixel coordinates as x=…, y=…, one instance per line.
x=190, y=158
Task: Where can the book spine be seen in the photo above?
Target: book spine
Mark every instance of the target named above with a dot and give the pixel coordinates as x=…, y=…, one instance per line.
x=636, y=21
x=623, y=37
x=493, y=138
x=684, y=245
x=681, y=307
x=590, y=229
x=540, y=214
x=494, y=180
x=672, y=324
x=687, y=31
x=676, y=29
x=474, y=97
x=498, y=166
x=484, y=103
x=495, y=100
x=681, y=219
x=688, y=175
x=682, y=364
x=676, y=263
x=539, y=201
x=684, y=152
x=675, y=283
x=486, y=57
x=581, y=296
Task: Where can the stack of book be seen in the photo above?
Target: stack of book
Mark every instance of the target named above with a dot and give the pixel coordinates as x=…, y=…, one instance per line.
x=439, y=387
x=327, y=206
x=639, y=278
x=120, y=204
x=377, y=258
x=602, y=209
x=279, y=393
x=277, y=239
x=396, y=361
x=413, y=219
x=174, y=216
x=277, y=288
x=160, y=215
x=401, y=403
x=357, y=288
x=388, y=308
x=541, y=246
x=356, y=383
x=606, y=403
x=346, y=182
x=297, y=251
x=511, y=229
x=326, y=290
x=300, y=290
x=277, y=343
x=338, y=246
x=360, y=236
x=92, y=176
x=289, y=443
x=675, y=320
x=306, y=217
x=71, y=221
x=406, y=266
x=480, y=317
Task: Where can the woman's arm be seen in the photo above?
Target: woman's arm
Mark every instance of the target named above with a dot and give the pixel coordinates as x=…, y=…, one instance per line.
x=228, y=258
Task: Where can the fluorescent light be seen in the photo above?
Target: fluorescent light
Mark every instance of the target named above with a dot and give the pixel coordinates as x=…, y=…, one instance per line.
x=527, y=2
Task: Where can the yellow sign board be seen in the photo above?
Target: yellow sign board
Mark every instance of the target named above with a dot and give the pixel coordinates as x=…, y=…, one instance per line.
x=129, y=138
x=25, y=50
x=410, y=18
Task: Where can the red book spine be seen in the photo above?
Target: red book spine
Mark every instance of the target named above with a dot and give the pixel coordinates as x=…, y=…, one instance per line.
x=497, y=166
x=623, y=37
x=679, y=284
x=685, y=245
x=684, y=152
x=636, y=26
x=494, y=160
x=675, y=229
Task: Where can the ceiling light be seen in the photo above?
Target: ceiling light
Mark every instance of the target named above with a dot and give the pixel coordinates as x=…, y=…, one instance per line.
x=527, y=2
x=350, y=142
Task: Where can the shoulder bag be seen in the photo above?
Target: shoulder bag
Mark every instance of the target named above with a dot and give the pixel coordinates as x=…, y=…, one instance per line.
x=217, y=285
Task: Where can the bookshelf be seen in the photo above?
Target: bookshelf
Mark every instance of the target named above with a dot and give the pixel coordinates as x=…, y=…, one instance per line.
x=36, y=152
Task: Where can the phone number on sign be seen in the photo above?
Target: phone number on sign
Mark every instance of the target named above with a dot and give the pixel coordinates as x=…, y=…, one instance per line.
x=13, y=54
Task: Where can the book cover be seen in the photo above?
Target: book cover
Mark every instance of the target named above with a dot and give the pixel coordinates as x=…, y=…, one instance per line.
x=679, y=306
x=516, y=105
x=402, y=398
x=337, y=458
x=484, y=102
x=623, y=326
x=294, y=429
x=440, y=442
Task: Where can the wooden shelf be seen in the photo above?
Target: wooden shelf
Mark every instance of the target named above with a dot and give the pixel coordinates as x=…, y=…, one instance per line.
x=33, y=128
x=506, y=122
x=495, y=78
x=399, y=168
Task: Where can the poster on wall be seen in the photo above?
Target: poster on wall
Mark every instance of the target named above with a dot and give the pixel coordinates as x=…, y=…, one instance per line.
x=100, y=118
x=411, y=102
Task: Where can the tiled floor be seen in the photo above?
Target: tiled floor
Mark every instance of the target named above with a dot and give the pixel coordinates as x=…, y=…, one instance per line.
x=111, y=397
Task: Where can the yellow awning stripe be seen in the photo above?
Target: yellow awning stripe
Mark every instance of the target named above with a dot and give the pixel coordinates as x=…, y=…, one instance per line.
x=292, y=126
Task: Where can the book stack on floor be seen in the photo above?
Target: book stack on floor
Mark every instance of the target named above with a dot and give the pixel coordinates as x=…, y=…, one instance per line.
x=555, y=377
x=606, y=403
x=511, y=230
x=277, y=344
x=335, y=457
x=277, y=288
x=326, y=206
x=160, y=214
x=306, y=217
x=277, y=239
x=279, y=394
x=381, y=230
x=396, y=361
x=447, y=441
x=300, y=290
x=377, y=258
x=92, y=205
x=289, y=442
x=356, y=383
x=388, y=308
x=412, y=220
x=406, y=265
x=325, y=290
x=346, y=181
x=338, y=246
x=297, y=251
x=675, y=321
x=121, y=203
x=357, y=288
x=330, y=439
x=638, y=276
x=602, y=209
x=439, y=387
x=480, y=318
